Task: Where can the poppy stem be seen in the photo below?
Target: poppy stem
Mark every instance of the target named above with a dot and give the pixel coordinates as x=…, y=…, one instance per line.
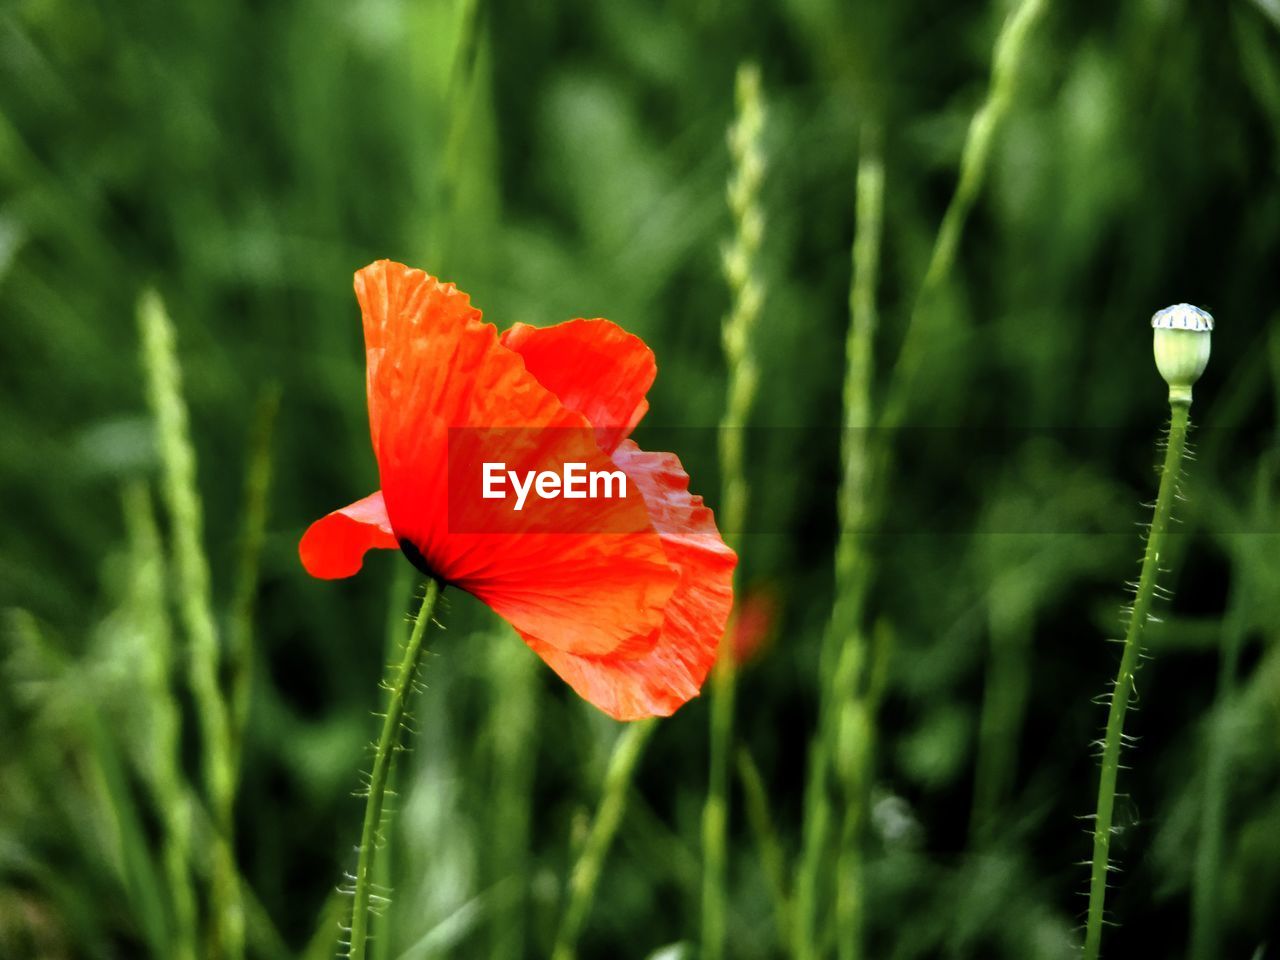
x=1122, y=692
x=400, y=688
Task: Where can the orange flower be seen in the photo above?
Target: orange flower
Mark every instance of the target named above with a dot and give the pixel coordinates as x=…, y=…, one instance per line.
x=626, y=598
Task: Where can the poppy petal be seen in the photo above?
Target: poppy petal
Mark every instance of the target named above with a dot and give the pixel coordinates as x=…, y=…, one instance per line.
x=657, y=682
x=594, y=367
x=334, y=546
x=436, y=373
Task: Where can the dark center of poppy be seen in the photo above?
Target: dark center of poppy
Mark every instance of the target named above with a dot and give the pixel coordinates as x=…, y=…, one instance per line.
x=410, y=550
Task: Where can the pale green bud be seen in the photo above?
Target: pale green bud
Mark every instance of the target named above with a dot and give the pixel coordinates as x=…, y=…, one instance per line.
x=1182, y=334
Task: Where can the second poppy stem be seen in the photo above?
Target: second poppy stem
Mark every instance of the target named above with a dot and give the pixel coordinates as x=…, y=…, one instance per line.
x=400, y=688
x=1122, y=692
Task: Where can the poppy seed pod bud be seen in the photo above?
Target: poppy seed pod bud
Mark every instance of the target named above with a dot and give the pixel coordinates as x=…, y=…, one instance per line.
x=1182, y=334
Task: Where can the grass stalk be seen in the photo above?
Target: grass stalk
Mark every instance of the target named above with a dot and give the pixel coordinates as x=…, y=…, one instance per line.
x=816, y=831
x=1207, y=880
x=460, y=109
x=854, y=735
x=866, y=469
x=110, y=821
x=1224, y=724
x=741, y=270
x=760, y=817
x=1004, y=700
x=401, y=687
x=257, y=488
x=845, y=641
x=613, y=801
x=169, y=788
x=1006, y=69
x=1122, y=691
x=262, y=938
x=1010, y=54
x=195, y=603
x=513, y=716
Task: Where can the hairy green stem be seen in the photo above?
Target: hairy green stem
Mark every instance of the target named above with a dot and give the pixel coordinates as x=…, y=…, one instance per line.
x=742, y=272
x=1122, y=692
x=399, y=689
x=177, y=457
x=400, y=597
x=613, y=801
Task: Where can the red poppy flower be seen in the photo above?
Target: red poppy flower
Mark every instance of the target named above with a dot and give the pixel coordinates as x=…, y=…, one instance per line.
x=625, y=598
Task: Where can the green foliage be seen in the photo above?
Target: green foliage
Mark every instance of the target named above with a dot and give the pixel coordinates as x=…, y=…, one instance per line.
x=569, y=159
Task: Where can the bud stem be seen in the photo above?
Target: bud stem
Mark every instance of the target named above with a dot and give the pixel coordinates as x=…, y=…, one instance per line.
x=1123, y=690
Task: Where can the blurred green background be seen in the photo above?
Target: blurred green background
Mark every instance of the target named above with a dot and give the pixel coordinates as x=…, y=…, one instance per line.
x=568, y=159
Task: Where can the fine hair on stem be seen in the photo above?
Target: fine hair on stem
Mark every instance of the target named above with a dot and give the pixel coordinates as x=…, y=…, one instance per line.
x=400, y=689
x=1123, y=689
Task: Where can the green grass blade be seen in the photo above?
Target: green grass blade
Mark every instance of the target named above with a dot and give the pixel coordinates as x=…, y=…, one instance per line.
x=170, y=792
x=195, y=605
x=613, y=801
x=747, y=290
x=257, y=489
